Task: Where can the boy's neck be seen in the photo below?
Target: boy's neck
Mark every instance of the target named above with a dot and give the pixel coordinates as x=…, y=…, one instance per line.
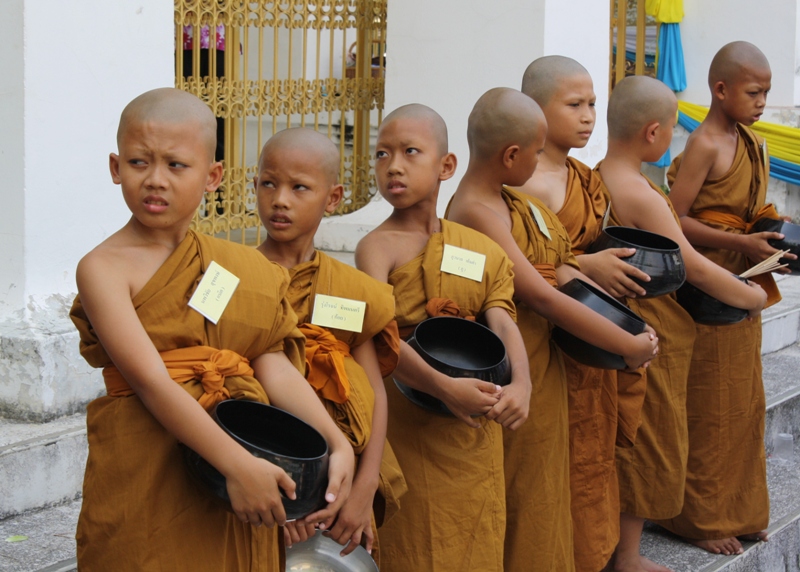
x=417, y=218
x=554, y=157
x=624, y=154
x=168, y=238
x=481, y=180
x=289, y=254
x=719, y=120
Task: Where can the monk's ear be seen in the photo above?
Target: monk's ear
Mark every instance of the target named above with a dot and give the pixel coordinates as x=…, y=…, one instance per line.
x=214, y=176
x=334, y=198
x=719, y=90
x=448, y=166
x=113, y=167
x=651, y=131
x=510, y=155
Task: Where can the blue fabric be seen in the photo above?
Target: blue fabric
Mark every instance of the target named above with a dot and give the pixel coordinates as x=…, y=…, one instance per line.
x=670, y=68
x=778, y=168
x=665, y=161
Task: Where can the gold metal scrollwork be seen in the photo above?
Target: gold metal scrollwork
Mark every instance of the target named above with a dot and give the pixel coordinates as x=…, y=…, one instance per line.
x=263, y=66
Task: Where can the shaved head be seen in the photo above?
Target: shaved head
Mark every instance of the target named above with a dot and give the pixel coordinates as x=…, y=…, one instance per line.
x=638, y=101
x=543, y=76
x=733, y=60
x=503, y=117
x=321, y=151
x=171, y=106
x=419, y=112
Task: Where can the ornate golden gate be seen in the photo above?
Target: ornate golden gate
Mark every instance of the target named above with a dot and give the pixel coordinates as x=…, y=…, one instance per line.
x=263, y=66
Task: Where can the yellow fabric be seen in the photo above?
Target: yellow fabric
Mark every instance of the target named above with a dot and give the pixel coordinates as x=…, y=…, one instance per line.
x=652, y=473
x=595, y=403
x=539, y=528
x=141, y=510
x=325, y=364
x=783, y=141
x=453, y=517
x=336, y=369
x=665, y=11
x=726, y=486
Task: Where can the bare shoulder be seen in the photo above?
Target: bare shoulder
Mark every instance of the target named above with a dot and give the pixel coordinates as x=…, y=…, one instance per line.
x=702, y=145
x=373, y=254
x=480, y=215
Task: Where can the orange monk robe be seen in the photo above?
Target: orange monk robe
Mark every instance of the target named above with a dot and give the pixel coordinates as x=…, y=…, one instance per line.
x=353, y=415
x=726, y=480
x=453, y=516
x=141, y=510
x=594, y=400
x=652, y=473
x=539, y=528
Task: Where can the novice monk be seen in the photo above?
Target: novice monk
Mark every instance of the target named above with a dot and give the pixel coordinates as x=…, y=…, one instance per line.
x=166, y=366
x=296, y=185
x=506, y=134
x=602, y=403
x=719, y=192
x=453, y=517
x=641, y=115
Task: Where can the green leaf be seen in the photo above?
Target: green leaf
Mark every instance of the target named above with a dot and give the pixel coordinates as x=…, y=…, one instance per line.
x=17, y=538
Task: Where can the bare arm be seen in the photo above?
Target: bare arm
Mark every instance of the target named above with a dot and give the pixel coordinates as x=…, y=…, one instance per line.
x=557, y=308
x=355, y=518
x=512, y=409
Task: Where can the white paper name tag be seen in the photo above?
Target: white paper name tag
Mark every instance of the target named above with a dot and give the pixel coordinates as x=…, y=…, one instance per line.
x=339, y=313
x=463, y=262
x=537, y=216
x=214, y=292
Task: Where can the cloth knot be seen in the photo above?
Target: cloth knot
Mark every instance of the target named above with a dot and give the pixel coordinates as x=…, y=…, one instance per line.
x=325, y=363
x=548, y=272
x=444, y=307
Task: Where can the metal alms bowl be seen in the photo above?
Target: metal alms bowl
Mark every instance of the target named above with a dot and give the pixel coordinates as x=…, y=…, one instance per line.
x=790, y=241
x=707, y=310
x=457, y=348
x=278, y=437
x=607, y=307
x=657, y=256
x=321, y=554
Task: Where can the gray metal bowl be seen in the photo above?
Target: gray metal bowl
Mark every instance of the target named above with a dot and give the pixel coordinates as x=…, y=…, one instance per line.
x=321, y=554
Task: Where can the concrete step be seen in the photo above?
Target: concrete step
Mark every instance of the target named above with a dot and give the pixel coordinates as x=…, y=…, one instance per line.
x=782, y=552
x=781, y=322
x=50, y=544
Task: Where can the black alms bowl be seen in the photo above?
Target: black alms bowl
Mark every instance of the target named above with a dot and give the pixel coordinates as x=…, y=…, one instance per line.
x=280, y=438
x=791, y=239
x=609, y=308
x=707, y=310
x=657, y=256
x=457, y=348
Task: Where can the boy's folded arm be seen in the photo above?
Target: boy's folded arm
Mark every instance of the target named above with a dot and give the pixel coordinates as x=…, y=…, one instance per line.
x=513, y=408
x=105, y=296
x=354, y=520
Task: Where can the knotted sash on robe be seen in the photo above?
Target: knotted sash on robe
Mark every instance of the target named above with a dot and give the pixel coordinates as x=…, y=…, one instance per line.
x=726, y=485
x=141, y=510
x=601, y=412
x=539, y=527
x=341, y=383
x=453, y=516
x=651, y=474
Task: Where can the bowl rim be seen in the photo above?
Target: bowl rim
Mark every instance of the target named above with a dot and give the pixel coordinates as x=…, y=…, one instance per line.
x=469, y=324
x=273, y=409
x=614, y=304
x=638, y=247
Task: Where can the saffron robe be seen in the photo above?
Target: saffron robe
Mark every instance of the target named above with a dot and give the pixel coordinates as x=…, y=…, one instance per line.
x=334, y=365
x=141, y=509
x=726, y=480
x=453, y=516
x=652, y=473
x=539, y=525
x=595, y=402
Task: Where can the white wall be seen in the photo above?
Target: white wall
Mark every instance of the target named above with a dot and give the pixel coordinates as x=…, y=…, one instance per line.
x=66, y=78
x=772, y=25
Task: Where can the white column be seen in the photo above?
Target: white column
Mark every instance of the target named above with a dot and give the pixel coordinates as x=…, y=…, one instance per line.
x=68, y=69
x=447, y=54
